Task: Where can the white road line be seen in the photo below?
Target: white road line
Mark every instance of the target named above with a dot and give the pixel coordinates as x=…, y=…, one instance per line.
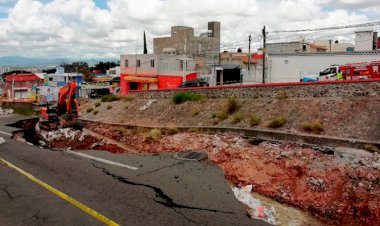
x=5, y=133
x=105, y=161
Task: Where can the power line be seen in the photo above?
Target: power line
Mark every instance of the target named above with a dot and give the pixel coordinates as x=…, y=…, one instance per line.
x=331, y=28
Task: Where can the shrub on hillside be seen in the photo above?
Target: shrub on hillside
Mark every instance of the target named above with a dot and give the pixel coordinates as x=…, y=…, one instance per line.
x=127, y=98
x=232, y=105
x=314, y=126
x=95, y=112
x=254, y=119
x=97, y=104
x=109, y=107
x=172, y=129
x=186, y=96
x=237, y=117
x=89, y=109
x=110, y=98
x=222, y=115
x=277, y=122
x=155, y=134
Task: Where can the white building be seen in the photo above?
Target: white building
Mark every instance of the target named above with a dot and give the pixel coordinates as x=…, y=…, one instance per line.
x=291, y=67
x=365, y=41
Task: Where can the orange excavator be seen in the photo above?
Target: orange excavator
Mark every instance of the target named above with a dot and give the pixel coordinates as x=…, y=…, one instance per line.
x=62, y=114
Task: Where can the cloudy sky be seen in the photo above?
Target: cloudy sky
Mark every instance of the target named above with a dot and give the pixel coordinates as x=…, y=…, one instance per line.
x=107, y=28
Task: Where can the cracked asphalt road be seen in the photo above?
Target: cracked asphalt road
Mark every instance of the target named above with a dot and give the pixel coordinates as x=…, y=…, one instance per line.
x=163, y=191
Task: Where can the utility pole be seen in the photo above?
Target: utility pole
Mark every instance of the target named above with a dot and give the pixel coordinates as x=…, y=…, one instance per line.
x=264, y=50
x=330, y=44
x=249, y=57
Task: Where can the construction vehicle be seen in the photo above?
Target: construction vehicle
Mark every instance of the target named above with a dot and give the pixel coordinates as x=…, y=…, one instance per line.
x=64, y=112
x=351, y=71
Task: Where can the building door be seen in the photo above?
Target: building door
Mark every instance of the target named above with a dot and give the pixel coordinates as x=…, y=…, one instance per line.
x=133, y=85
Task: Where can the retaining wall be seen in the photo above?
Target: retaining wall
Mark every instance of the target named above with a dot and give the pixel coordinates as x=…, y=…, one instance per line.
x=290, y=90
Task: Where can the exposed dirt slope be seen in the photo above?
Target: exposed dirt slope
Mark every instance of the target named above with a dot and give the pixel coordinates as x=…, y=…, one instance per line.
x=354, y=117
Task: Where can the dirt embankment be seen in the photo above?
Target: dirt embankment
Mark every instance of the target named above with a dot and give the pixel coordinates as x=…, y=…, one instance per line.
x=339, y=189
x=353, y=117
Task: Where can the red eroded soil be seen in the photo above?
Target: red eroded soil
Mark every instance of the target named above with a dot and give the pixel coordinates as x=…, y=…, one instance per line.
x=336, y=189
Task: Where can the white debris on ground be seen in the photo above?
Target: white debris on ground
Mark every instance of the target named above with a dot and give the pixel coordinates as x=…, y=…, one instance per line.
x=147, y=105
x=258, y=210
x=2, y=140
x=68, y=133
x=6, y=111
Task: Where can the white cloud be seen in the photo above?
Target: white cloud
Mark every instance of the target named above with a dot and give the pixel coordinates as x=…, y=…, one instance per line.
x=77, y=28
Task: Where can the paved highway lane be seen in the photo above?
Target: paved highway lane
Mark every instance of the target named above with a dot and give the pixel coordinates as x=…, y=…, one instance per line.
x=162, y=191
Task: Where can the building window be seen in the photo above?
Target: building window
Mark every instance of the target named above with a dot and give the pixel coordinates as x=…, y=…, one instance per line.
x=151, y=63
x=138, y=63
x=126, y=63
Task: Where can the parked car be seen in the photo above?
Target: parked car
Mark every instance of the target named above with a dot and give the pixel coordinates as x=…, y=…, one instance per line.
x=194, y=83
x=98, y=93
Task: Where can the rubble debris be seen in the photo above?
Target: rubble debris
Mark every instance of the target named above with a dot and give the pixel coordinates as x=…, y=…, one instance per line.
x=147, y=105
x=6, y=111
x=2, y=140
x=257, y=210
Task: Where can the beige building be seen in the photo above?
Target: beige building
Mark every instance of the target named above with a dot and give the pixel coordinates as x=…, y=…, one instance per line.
x=336, y=46
x=182, y=41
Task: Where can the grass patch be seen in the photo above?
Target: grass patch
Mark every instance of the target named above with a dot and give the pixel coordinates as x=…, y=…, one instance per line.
x=97, y=104
x=89, y=109
x=127, y=98
x=172, y=129
x=109, y=107
x=23, y=111
x=155, y=134
x=195, y=111
x=372, y=148
x=110, y=98
x=277, y=122
x=237, y=117
x=254, y=119
x=95, y=112
x=314, y=126
x=232, y=105
x=186, y=96
x=222, y=115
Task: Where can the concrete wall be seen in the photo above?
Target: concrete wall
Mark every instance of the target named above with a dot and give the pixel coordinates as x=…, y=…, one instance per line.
x=292, y=67
x=295, y=90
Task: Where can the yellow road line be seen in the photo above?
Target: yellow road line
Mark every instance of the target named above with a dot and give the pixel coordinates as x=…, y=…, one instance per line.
x=62, y=195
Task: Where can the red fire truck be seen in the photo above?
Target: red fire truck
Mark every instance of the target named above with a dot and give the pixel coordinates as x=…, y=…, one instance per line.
x=351, y=71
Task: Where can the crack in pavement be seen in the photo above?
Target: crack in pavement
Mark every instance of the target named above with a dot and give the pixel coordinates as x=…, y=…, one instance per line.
x=4, y=188
x=156, y=170
x=36, y=217
x=165, y=199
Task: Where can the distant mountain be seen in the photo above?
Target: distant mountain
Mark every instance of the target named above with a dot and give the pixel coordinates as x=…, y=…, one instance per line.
x=28, y=61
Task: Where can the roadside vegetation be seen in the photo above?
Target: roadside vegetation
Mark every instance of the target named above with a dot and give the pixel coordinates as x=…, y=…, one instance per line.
x=95, y=112
x=172, y=129
x=155, y=134
x=23, y=110
x=97, y=104
x=372, y=148
x=237, y=117
x=277, y=122
x=314, y=126
x=110, y=98
x=186, y=96
x=127, y=98
x=254, y=119
x=89, y=109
